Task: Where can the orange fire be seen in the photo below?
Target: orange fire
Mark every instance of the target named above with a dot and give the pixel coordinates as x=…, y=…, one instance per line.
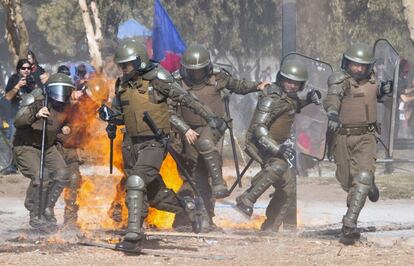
x=99, y=190
x=169, y=173
x=254, y=223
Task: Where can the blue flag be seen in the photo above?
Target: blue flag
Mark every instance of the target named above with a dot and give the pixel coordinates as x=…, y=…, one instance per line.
x=167, y=44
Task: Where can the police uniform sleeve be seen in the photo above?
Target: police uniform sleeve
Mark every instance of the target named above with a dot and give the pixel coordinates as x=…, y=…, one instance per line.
x=175, y=119
x=26, y=116
x=336, y=90
x=225, y=80
x=168, y=87
x=267, y=111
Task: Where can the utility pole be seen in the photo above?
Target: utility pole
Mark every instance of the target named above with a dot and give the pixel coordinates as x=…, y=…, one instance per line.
x=289, y=45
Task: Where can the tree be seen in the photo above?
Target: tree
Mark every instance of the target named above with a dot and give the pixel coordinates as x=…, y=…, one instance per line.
x=16, y=31
x=237, y=32
x=61, y=22
x=93, y=32
x=340, y=23
x=409, y=16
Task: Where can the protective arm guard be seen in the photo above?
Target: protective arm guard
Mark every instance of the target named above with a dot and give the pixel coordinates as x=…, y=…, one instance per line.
x=168, y=87
x=336, y=90
x=225, y=80
x=267, y=110
x=263, y=138
x=179, y=124
x=175, y=120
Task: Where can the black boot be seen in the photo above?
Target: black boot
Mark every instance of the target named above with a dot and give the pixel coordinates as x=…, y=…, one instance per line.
x=132, y=243
x=349, y=235
x=245, y=201
x=244, y=205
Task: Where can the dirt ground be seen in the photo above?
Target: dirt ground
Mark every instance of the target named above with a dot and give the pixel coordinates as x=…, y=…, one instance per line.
x=315, y=242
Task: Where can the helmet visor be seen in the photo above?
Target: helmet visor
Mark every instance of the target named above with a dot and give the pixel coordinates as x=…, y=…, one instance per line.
x=59, y=92
x=195, y=76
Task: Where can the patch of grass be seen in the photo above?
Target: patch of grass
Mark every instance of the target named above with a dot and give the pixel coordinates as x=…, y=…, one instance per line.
x=396, y=186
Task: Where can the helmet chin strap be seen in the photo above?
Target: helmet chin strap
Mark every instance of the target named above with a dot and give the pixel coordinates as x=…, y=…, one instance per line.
x=128, y=77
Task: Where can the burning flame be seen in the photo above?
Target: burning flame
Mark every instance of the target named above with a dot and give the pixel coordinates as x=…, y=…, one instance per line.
x=254, y=223
x=169, y=173
x=99, y=190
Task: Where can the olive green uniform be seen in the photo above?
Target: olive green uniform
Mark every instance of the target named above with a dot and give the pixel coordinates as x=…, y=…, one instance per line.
x=270, y=127
x=149, y=92
x=27, y=149
x=210, y=92
x=73, y=161
x=355, y=144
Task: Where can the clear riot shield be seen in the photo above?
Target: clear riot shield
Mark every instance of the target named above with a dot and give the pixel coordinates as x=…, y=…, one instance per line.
x=311, y=123
x=6, y=153
x=387, y=68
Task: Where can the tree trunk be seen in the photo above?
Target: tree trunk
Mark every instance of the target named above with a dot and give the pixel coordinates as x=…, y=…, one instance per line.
x=409, y=16
x=21, y=26
x=16, y=32
x=93, y=33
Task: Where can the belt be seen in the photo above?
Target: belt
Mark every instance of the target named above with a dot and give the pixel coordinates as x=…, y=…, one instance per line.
x=140, y=139
x=355, y=131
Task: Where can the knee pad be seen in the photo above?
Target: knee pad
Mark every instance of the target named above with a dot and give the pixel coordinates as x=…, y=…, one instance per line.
x=276, y=170
x=364, y=178
x=205, y=145
x=63, y=176
x=135, y=182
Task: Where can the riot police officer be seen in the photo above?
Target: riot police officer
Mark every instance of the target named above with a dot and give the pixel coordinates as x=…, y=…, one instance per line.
x=351, y=106
x=146, y=86
x=210, y=84
x=27, y=145
x=266, y=138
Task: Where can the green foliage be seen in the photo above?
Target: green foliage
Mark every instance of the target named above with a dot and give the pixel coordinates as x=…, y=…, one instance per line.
x=61, y=22
x=341, y=23
x=238, y=31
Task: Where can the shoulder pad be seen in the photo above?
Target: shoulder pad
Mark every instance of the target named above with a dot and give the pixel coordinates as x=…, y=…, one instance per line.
x=265, y=104
x=337, y=78
x=152, y=74
x=37, y=93
x=164, y=75
x=273, y=89
x=27, y=100
x=217, y=69
x=177, y=75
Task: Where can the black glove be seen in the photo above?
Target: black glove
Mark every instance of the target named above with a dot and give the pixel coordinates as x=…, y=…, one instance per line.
x=385, y=88
x=287, y=152
x=314, y=96
x=108, y=115
x=333, y=121
x=111, y=130
x=105, y=113
x=218, y=123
